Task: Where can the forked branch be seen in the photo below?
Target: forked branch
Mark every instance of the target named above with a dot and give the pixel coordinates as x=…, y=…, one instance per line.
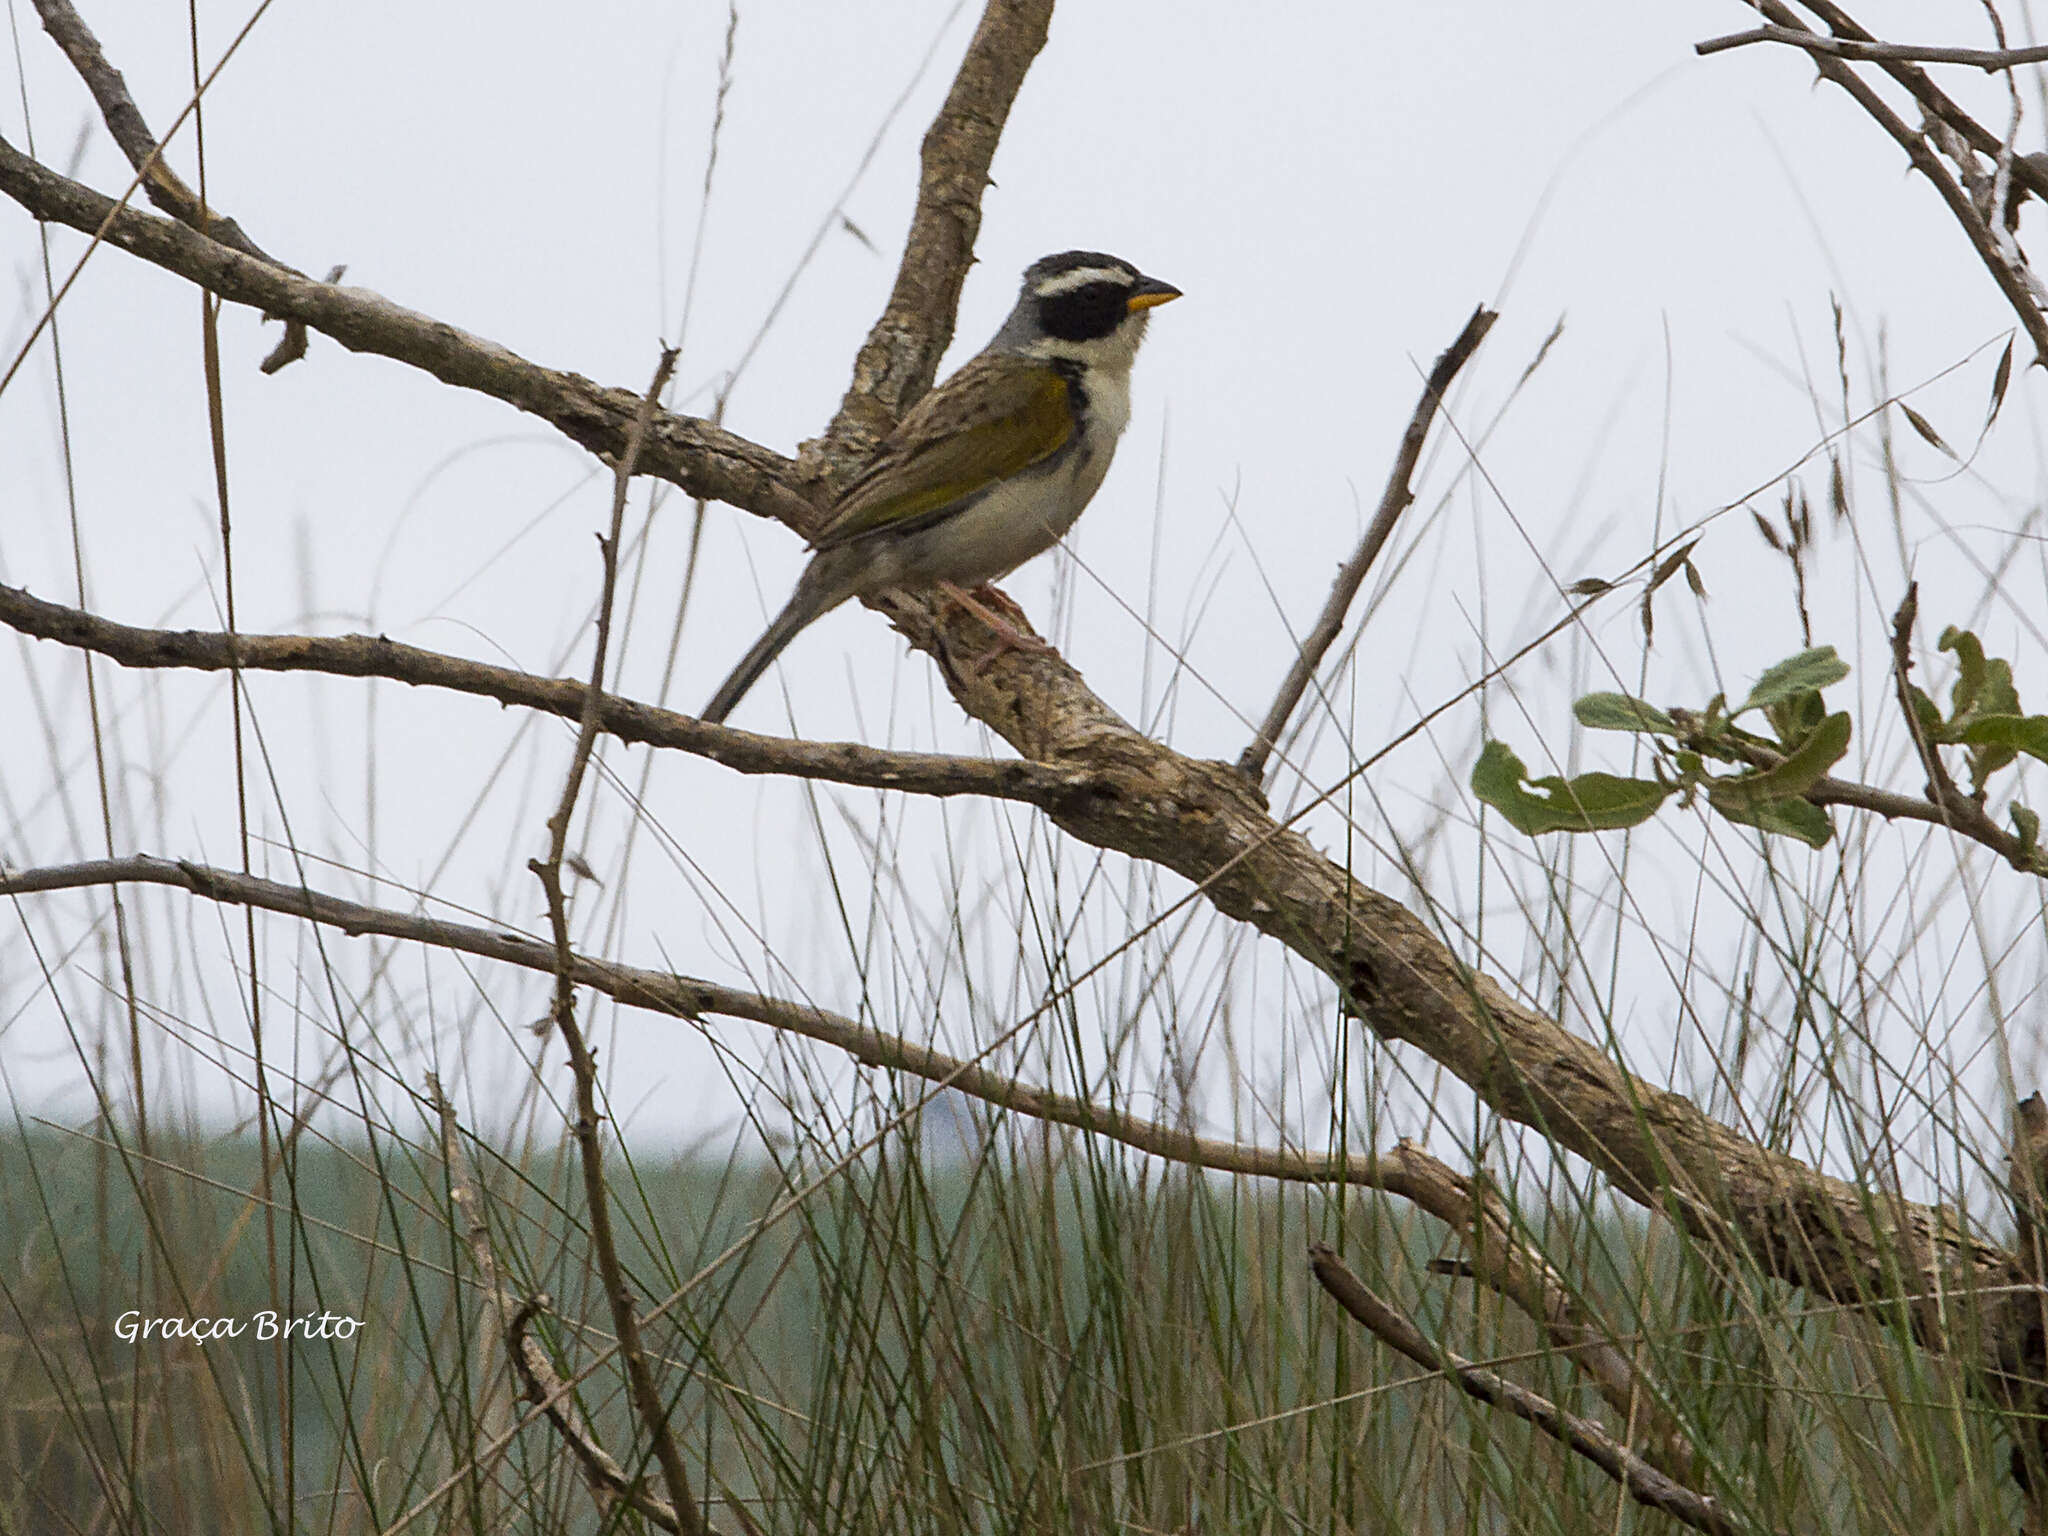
x=1645, y=1484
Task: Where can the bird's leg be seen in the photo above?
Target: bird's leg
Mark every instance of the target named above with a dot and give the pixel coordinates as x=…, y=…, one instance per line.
x=982, y=603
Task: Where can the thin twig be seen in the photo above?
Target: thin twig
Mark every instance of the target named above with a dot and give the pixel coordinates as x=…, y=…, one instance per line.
x=587, y=1129
x=1933, y=100
x=1644, y=1482
x=1498, y=1258
x=1351, y=576
x=540, y=1384
x=1940, y=787
x=1987, y=59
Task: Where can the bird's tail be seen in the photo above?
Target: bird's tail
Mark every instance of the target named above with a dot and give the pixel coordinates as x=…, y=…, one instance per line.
x=808, y=602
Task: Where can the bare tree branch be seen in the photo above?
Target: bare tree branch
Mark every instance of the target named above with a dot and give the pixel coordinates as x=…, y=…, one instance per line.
x=1646, y=1485
x=917, y=773
x=901, y=355
x=922, y=773
x=541, y=1385
x=1497, y=1257
x=1205, y=821
x=2014, y=284
x=1351, y=575
x=702, y=459
x=587, y=1128
x=1875, y=53
x=166, y=188
x=1933, y=100
x=1405, y=1171
x=131, y=133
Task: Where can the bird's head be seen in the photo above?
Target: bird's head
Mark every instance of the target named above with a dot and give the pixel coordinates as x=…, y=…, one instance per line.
x=1085, y=307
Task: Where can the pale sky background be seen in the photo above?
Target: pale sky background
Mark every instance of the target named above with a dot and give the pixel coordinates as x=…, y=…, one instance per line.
x=1333, y=186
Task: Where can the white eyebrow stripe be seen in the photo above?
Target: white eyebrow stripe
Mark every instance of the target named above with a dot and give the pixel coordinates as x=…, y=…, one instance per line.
x=1080, y=277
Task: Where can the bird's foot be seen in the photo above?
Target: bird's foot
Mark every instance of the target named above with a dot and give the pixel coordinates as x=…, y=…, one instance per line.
x=983, y=602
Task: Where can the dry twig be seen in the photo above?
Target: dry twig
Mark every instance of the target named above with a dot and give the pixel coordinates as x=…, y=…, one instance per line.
x=2014, y=279
x=587, y=1127
x=1351, y=575
x=1645, y=1484
x=1987, y=59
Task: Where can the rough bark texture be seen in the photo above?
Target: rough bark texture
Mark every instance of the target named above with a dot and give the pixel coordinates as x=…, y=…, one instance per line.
x=1200, y=819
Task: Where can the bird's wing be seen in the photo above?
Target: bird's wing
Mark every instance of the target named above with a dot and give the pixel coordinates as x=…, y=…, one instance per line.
x=994, y=418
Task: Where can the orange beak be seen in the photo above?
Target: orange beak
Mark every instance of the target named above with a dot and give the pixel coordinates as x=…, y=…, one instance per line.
x=1150, y=294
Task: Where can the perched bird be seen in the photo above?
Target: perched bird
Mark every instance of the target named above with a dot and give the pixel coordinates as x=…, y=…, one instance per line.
x=989, y=469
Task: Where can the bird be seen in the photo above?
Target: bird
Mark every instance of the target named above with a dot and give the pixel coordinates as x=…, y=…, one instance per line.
x=988, y=470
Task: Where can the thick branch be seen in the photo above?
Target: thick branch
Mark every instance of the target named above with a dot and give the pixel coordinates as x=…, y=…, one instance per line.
x=1199, y=819
x=1115, y=788
x=704, y=460
x=897, y=362
x=1351, y=575
x=1644, y=1482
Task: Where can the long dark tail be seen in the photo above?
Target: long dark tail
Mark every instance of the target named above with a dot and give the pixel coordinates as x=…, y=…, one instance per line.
x=809, y=601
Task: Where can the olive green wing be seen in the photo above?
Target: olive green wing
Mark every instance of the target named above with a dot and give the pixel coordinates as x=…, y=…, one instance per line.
x=992, y=419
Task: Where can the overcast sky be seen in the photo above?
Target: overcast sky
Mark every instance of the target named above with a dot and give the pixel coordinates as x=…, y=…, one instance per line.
x=1333, y=186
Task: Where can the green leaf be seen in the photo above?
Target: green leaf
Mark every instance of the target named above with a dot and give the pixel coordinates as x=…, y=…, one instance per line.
x=1591, y=802
x=2020, y=733
x=1984, y=692
x=2027, y=824
x=1970, y=670
x=1619, y=712
x=1796, y=718
x=1789, y=818
x=1932, y=726
x=1999, y=696
x=1809, y=671
x=1793, y=777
